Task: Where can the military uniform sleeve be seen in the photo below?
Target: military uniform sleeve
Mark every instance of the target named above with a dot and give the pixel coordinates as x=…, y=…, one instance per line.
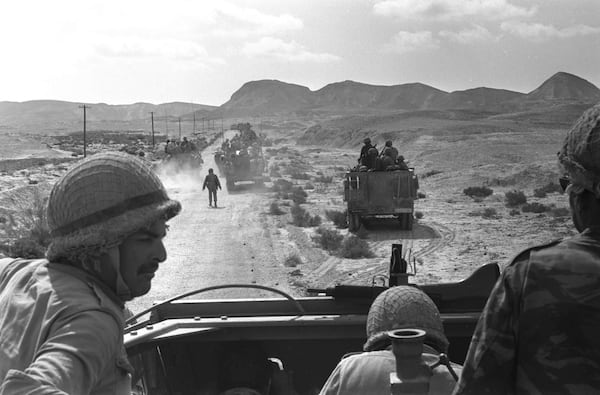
x=78, y=351
x=490, y=364
x=332, y=385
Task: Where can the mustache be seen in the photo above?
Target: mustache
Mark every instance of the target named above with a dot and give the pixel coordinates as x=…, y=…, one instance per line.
x=148, y=268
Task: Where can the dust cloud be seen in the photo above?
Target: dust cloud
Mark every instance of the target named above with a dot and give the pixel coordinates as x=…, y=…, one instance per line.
x=183, y=178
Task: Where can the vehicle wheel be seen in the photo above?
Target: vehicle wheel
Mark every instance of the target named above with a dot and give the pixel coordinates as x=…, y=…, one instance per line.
x=353, y=222
x=230, y=185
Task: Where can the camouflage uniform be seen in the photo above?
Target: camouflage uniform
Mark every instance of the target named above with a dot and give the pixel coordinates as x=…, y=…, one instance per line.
x=538, y=333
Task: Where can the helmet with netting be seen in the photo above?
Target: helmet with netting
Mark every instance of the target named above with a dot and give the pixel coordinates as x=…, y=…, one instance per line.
x=102, y=200
x=579, y=156
x=403, y=307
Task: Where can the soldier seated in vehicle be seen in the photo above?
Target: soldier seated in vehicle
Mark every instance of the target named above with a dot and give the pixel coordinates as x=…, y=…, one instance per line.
x=398, y=307
x=401, y=163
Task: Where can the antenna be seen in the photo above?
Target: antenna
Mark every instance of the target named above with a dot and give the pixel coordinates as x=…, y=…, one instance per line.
x=85, y=107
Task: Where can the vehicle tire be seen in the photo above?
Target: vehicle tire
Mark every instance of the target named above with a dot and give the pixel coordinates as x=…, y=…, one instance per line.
x=354, y=222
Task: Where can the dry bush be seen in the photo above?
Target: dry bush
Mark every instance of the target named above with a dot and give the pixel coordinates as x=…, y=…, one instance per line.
x=418, y=214
x=479, y=192
x=298, y=195
x=354, y=247
x=560, y=212
x=274, y=209
x=28, y=235
x=515, y=198
x=339, y=218
x=292, y=260
x=282, y=185
x=300, y=217
x=534, y=208
x=431, y=173
x=324, y=179
x=329, y=239
x=421, y=195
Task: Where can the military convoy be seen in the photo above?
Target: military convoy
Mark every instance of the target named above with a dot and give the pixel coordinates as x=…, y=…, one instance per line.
x=279, y=345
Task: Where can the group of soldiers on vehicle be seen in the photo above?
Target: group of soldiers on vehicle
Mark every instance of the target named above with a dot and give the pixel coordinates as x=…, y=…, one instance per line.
x=388, y=159
x=174, y=147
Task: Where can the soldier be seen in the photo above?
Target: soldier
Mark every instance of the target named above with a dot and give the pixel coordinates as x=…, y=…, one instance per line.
x=211, y=181
x=539, y=330
x=362, y=159
x=399, y=307
x=62, y=318
x=389, y=150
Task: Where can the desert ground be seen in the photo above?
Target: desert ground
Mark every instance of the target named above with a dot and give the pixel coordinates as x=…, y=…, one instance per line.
x=244, y=242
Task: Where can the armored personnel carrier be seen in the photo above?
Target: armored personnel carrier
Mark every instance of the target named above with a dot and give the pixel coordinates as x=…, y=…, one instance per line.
x=380, y=193
x=279, y=345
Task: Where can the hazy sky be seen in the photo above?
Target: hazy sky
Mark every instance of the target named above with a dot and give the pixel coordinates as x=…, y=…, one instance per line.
x=121, y=52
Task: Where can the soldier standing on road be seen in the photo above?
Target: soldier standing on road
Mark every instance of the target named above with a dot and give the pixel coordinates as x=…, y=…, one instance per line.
x=539, y=330
x=62, y=318
x=211, y=181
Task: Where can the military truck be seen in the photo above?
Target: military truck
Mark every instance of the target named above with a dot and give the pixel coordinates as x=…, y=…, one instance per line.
x=380, y=193
x=241, y=166
x=199, y=346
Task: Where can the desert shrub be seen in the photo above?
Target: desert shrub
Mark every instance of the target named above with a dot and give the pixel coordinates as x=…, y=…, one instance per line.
x=418, y=214
x=274, y=173
x=560, y=212
x=298, y=195
x=282, y=185
x=534, y=208
x=362, y=233
x=339, y=218
x=514, y=212
x=515, y=198
x=421, y=195
x=296, y=175
x=324, y=179
x=550, y=187
x=354, y=247
x=300, y=217
x=30, y=231
x=292, y=260
x=309, y=186
x=274, y=209
x=478, y=191
x=489, y=212
x=431, y=173
x=539, y=193
x=328, y=239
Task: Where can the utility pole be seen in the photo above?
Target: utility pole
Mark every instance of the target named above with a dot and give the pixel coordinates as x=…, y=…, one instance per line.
x=84, y=125
x=194, y=114
x=179, y=119
x=152, y=115
x=166, y=126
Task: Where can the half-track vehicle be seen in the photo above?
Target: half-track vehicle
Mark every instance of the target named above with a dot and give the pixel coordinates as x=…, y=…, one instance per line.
x=380, y=193
x=241, y=158
x=200, y=346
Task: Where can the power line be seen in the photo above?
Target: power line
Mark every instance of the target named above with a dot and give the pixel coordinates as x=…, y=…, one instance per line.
x=85, y=107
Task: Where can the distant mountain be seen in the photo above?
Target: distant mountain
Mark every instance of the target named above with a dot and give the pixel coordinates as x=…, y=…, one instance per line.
x=54, y=111
x=563, y=93
x=351, y=95
x=565, y=86
x=277, y=97
x=267, y=96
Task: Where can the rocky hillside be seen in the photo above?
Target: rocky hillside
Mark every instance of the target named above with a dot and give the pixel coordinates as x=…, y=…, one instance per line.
x=270, y=97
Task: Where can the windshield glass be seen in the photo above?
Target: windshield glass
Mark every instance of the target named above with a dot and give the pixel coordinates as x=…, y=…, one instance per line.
x=278, y=98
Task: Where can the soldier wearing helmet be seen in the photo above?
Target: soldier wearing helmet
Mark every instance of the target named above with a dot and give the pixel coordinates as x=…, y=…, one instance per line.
x=363, y=158
x=62, y=317
x=539, y=330
x=399, y=307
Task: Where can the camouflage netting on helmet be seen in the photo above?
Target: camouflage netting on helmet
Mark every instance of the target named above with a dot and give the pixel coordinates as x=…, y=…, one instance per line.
x=580, y=154
x=404, y=307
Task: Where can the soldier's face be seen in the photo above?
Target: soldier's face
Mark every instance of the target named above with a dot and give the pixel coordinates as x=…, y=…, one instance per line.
x=140, y=255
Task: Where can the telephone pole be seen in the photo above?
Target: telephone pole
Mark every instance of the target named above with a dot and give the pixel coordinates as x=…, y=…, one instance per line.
x=152, y=117
x=194, y=114
x=84, y=126
x=179, y=119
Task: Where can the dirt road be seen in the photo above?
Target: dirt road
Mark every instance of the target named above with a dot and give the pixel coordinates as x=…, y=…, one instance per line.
x=213, y=246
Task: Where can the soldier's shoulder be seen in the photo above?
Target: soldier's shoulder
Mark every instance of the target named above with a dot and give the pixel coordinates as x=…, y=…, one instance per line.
x=523, y=255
